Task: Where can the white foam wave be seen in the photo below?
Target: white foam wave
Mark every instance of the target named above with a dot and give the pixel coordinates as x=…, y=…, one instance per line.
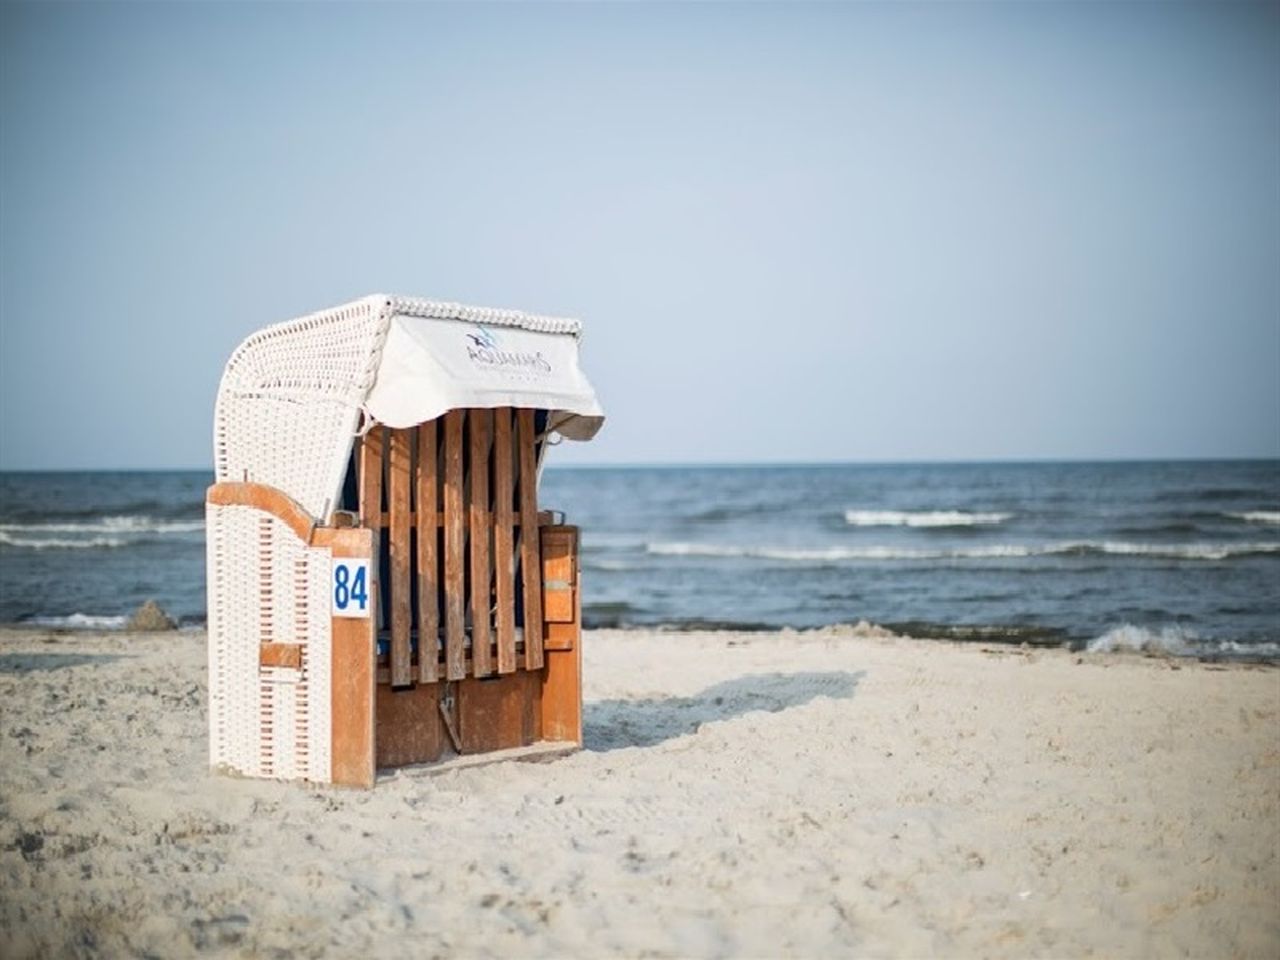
x=1171, y=551
x=922, y=518
x=59, y=543
x=1192, y=551
x=830, y=554
x=109, y=525
x=1175, y=641
x=1270, y=517
x=105, y=532
x=81, y=621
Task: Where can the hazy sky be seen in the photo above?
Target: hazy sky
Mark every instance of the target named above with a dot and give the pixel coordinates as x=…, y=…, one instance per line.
x=794, y=232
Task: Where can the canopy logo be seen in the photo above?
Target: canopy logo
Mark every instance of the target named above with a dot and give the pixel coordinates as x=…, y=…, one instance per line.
x=484, y=350
x=483, y=339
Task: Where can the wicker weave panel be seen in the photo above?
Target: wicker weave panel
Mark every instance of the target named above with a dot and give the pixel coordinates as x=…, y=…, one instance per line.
x=289, y=402
x=265, y=584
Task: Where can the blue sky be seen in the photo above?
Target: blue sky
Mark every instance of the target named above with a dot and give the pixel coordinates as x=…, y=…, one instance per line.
x=794, y=232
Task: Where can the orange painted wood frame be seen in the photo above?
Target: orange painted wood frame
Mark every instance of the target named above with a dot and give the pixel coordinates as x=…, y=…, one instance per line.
x=268, y=499
x=354, y=662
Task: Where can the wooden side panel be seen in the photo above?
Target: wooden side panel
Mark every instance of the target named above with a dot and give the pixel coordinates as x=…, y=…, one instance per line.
x=427, y=498
x=481, y=422
x=499, y=713
x=409, y=726
x=530, y=550
x=399, y=478
x=454, y=548
x=353, y=670
x=562, y=684
x=562, y=677
x=503, y=539
x=559, y=574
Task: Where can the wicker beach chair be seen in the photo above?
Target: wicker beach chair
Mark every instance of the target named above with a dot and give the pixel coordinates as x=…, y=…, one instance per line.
x=383, y=588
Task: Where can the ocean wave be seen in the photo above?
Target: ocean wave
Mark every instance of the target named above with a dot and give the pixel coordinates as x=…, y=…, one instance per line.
x=720, y=514
x=113, y=524
x=1175, y=641
x=594, y=542
x=609, y=614
x=1169, y=551
x=1014, y=633
x=80, y=621
x=58, y=543
x=108, y=532
x=922, y=518
x=1191, y=551
x=1171, y=528
x=1270, y=517
x=1208, y=493
x=607, y=566
x=54, y=513
x=830, y=554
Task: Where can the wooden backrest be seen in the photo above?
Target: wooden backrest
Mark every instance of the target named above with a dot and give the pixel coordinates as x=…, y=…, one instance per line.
x=455, y=502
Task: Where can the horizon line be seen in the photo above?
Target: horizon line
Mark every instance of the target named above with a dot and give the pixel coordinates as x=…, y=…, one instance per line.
x=732, y=464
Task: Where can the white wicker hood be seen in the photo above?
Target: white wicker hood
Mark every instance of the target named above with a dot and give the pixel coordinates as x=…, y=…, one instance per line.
x=432, y=364
x=294, y=395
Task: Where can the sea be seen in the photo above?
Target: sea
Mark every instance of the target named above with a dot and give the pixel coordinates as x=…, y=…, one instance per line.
x=1177, y=557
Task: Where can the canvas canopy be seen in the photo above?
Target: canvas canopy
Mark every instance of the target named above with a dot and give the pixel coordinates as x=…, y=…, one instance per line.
x=431, y=365
x=294, y=396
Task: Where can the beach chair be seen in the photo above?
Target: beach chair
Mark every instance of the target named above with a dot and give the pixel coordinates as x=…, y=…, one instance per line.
x=384, y=589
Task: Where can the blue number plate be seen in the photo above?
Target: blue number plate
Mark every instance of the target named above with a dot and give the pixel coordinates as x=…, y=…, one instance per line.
x=350, y=588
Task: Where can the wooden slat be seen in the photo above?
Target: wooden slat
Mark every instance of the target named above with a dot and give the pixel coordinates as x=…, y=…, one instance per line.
x=454, y=548
x=371, y=514
x=480, y=518
x=399, y=478
x=503, y=542
x=428, y=572
x=530, y=559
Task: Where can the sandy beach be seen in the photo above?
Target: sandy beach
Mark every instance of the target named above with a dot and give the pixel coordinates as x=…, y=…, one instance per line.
x=829, y=793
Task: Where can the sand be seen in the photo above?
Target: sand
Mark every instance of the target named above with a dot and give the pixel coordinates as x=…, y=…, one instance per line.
x=761, y=795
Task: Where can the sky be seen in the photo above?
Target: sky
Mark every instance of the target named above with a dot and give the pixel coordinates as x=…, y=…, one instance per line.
x=793, y=232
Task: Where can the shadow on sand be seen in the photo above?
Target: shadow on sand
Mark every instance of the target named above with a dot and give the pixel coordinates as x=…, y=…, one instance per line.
x=616, y=724
x=31, y=662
